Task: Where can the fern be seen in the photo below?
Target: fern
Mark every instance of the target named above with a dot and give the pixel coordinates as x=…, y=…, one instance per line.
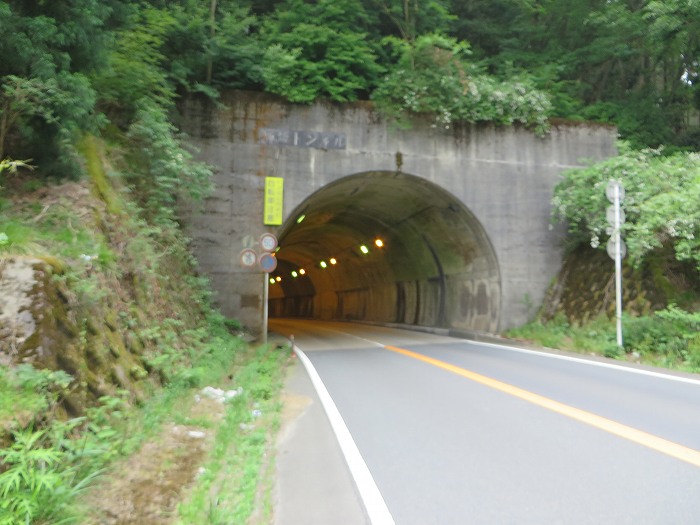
x=42, y=476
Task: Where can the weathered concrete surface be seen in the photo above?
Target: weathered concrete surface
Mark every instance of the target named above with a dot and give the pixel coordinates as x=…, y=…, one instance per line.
x=503, y=177
x=436, y=268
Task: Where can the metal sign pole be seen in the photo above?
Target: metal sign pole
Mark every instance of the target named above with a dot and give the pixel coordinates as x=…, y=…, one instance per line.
x=266, y=288
x=268, y=263
x=618, y=266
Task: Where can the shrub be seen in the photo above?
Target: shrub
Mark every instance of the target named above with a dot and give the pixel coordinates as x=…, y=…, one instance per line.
x=433, y=77
x=671, y=333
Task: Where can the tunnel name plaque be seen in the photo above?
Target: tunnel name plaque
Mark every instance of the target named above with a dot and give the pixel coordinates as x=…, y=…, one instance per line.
x=302, y=138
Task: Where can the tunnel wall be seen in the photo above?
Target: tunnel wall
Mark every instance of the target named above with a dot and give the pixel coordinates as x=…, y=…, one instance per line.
x=504, y=175
x=469, y=305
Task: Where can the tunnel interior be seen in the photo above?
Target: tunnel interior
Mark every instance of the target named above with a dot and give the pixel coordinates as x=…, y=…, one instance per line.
x=386, y=247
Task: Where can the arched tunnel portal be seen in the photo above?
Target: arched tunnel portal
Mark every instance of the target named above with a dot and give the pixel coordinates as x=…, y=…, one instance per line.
x=435, y=266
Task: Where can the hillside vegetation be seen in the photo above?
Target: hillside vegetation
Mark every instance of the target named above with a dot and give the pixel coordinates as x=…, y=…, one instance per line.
x=107, y=332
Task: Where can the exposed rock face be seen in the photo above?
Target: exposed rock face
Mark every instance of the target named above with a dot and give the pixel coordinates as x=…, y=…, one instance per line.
x=39, y=325
x=17, y=324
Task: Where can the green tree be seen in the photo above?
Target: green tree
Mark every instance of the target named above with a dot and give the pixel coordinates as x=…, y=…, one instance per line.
x=495, y=27
x=138, y=93
x=407, y=19
x=433, y=77
x=20, y=100
x=316, y=50
x=627, y=62
x=45, y=95
x=674, y=41
x=162, y=169
x=212, y=44
x=134, y=68
x=662, y=202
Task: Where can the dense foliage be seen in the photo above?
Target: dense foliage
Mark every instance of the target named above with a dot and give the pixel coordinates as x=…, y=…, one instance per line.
x=669, y=338
x=662, y=216
x=661, y=204
x=69, y=66
x=434, y=77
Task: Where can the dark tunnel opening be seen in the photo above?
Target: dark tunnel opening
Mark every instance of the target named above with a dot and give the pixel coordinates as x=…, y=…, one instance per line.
x=386, y=247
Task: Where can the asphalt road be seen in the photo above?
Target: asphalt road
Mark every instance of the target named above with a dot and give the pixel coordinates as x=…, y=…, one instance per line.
x=456, y=432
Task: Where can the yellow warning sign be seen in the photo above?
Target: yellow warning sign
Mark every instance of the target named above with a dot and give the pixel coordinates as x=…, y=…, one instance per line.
x=274, y=201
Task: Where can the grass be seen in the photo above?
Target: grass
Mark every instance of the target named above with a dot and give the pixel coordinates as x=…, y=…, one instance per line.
x=236, y=479
x=596, y=336
x=210, y=361
x=19, y=399
x=46, y=465
x=58, y=233
x=669, y=338
x=48, y=468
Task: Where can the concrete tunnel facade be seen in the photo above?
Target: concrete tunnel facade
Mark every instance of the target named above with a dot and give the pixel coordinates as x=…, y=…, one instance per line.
x=465, y=211
x=435, y=266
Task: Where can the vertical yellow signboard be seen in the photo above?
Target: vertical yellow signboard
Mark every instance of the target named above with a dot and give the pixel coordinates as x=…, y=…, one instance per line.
x=274, y=201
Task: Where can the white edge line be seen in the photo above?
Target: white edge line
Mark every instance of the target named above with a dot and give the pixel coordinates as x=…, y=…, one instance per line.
x=632, y=370
x=540, y=353
x=374, y=503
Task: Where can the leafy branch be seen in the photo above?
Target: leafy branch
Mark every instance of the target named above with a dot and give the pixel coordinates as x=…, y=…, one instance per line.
x=662, y=201
x=433, y=77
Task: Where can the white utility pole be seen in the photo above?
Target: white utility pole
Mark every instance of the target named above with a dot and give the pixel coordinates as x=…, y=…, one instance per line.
x=616, y=246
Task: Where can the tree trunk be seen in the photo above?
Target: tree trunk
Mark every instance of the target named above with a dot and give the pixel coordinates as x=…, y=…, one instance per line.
x=212, y=33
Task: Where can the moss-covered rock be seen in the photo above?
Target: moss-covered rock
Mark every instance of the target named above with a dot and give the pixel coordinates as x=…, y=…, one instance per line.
x=40, y=327
x=585, y=286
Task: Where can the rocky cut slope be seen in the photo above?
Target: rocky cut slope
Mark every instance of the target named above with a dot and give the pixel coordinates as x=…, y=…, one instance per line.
x=89, y=288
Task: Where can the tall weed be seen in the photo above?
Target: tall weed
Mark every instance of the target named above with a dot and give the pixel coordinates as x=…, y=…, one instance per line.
x=43, y=475
x=669, y=337
x=672, y=334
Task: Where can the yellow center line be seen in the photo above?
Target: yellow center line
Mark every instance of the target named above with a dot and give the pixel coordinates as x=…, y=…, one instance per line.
x=656, y=443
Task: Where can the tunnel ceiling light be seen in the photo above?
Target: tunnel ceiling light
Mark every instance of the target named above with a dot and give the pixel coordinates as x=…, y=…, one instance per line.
x=301, y=218
x=364, y=249
x=333, y=260
x=323, y=264
x=302, y=271
x=378, y=243
x=295, y=274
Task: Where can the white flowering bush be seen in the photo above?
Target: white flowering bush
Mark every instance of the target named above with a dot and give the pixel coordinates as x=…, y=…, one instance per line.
x=433, y=77
x=661, y=204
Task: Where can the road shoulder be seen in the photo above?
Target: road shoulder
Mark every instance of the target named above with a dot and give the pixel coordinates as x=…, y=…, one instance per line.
x=313, y=483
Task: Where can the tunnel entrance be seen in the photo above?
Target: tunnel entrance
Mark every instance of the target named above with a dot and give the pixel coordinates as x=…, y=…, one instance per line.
x=386, y=247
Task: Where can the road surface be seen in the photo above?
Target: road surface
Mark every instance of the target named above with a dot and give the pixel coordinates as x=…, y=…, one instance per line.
x=457, y=432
